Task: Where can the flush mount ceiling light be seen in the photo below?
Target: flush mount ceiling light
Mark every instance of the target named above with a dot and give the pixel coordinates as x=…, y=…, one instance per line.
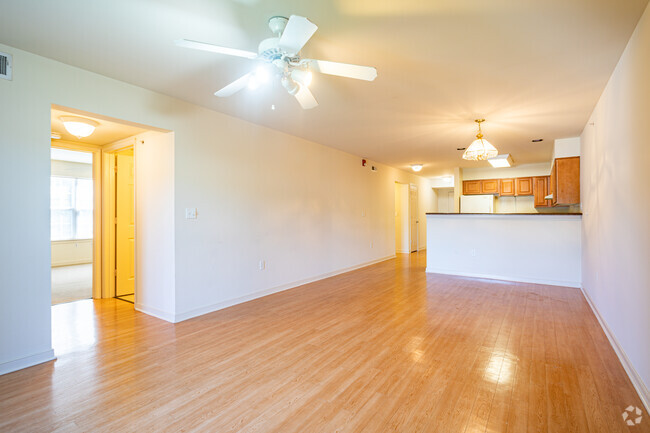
x=480, y=149
x=416, y=167
x=501, y=161
x=78, y=126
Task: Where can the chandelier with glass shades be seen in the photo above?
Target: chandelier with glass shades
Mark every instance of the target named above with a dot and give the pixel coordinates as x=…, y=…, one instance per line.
x=480, y=149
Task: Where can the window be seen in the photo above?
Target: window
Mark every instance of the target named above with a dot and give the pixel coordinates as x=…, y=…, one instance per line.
x=71, y=208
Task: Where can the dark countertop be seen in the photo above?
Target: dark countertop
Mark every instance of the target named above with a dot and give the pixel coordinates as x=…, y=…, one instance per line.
x=519, y=214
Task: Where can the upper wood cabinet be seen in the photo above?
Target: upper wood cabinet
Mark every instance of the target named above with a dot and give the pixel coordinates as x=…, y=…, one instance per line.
x=524, y=186
x=565, y=181
x=507, y=187
x=471, y=187
x=541, y=190
x=490, y=186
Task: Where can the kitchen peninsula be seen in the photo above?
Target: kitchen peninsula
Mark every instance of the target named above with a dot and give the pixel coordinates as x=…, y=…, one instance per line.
x=540, y=248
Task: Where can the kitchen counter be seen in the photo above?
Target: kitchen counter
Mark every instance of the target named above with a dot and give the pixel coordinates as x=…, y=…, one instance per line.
x=493, y=213
x=514, y=247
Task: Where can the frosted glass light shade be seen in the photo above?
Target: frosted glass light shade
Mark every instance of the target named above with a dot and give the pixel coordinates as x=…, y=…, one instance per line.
x=480, y=150
x=79, y=126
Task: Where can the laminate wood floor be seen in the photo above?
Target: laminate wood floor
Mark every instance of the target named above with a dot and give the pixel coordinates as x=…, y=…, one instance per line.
x=384, y=348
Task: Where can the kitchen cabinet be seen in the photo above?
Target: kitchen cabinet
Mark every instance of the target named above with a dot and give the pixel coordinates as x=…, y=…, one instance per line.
x=507, y=187
x=524, y=186
x=490, y=186
x=541, y=190
x=565, y=181
x=471, y=187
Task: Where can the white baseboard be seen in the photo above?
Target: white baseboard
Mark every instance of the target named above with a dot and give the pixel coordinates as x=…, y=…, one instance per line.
x=71, y=263
x=574, y=284
x=155, y=312
x=229, y=303
x=28, y=361
x=637, y=382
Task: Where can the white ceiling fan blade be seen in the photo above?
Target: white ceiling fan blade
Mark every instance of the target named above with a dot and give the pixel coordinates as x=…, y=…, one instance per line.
x=186, y=43
x=306, y=98
x=296, y=34
x=234, y=87
x=367, y=73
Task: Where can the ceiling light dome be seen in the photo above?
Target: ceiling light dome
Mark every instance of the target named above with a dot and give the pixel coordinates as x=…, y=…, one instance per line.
x=80, y=127
x=416, y=167
x=480, y=149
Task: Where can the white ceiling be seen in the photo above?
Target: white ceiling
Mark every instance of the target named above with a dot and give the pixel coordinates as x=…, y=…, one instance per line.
x=532, y=68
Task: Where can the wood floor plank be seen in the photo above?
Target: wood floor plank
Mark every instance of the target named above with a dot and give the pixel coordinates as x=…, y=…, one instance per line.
x=383, y=348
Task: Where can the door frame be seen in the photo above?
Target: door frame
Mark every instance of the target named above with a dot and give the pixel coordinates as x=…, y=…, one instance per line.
x=108, y=215
x=96, y=152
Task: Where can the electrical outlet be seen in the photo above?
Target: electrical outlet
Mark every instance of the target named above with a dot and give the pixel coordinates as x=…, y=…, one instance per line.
x=190, y=213
x=372, y=244
x=473, y=252
x=262, y=265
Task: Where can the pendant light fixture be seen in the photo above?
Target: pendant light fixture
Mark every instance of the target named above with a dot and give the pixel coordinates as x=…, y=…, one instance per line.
x=480, y=149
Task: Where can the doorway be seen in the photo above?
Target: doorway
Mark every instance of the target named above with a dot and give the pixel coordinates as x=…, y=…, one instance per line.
x=124, y=208
x=74, y=211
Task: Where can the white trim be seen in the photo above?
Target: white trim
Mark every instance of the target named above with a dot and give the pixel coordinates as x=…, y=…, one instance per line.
x=229, y=303
x=71, y=263
x=637, y=382
x=155, y=312
x=574, y=284
x=28, y=361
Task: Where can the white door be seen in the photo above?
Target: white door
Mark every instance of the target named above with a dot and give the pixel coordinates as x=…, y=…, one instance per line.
x=124, y=225
x=413, y=217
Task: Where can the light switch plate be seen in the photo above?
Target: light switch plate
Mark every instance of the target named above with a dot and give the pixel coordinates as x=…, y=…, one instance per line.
x=190, y=213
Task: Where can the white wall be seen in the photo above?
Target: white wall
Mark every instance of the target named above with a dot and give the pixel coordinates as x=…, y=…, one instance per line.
x=615, y=191
x=306, y=209
x=541, y=249
x=445, y=203
x=402, y=233
x=521, y=170
x=155, y=280
x=72, y=252
x=566, y=147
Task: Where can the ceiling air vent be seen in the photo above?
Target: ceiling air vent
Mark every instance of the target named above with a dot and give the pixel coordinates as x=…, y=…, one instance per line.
x=5, y=66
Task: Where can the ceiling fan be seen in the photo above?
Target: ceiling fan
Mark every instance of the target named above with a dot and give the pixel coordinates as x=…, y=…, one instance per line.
x=279, y=56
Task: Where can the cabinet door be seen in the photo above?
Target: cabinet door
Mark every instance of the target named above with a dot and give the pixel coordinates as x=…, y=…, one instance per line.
x=540, y=190
x=524, y=186
x=507, y=187
x=553, y=184
x=490, y=186
x=471, y=187
x=567, y=180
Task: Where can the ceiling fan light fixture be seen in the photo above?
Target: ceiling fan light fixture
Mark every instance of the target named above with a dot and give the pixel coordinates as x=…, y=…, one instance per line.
x=416, y=167
x=302, y=76
x=80, y=127
x=290, y=85
x=480, y=149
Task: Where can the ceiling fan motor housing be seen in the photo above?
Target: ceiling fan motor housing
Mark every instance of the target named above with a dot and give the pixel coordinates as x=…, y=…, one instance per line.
x=277, y=24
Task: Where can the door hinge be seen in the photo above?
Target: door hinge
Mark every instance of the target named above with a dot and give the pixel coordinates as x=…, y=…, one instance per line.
x=115, y=272
x=115, y=168
x=115, y=221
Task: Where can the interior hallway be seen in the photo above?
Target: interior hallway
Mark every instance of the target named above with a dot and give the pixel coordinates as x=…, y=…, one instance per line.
x=383, y=346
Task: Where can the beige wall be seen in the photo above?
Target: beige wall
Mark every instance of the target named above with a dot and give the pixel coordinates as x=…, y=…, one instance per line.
x=307, y=210
x=615, y=189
